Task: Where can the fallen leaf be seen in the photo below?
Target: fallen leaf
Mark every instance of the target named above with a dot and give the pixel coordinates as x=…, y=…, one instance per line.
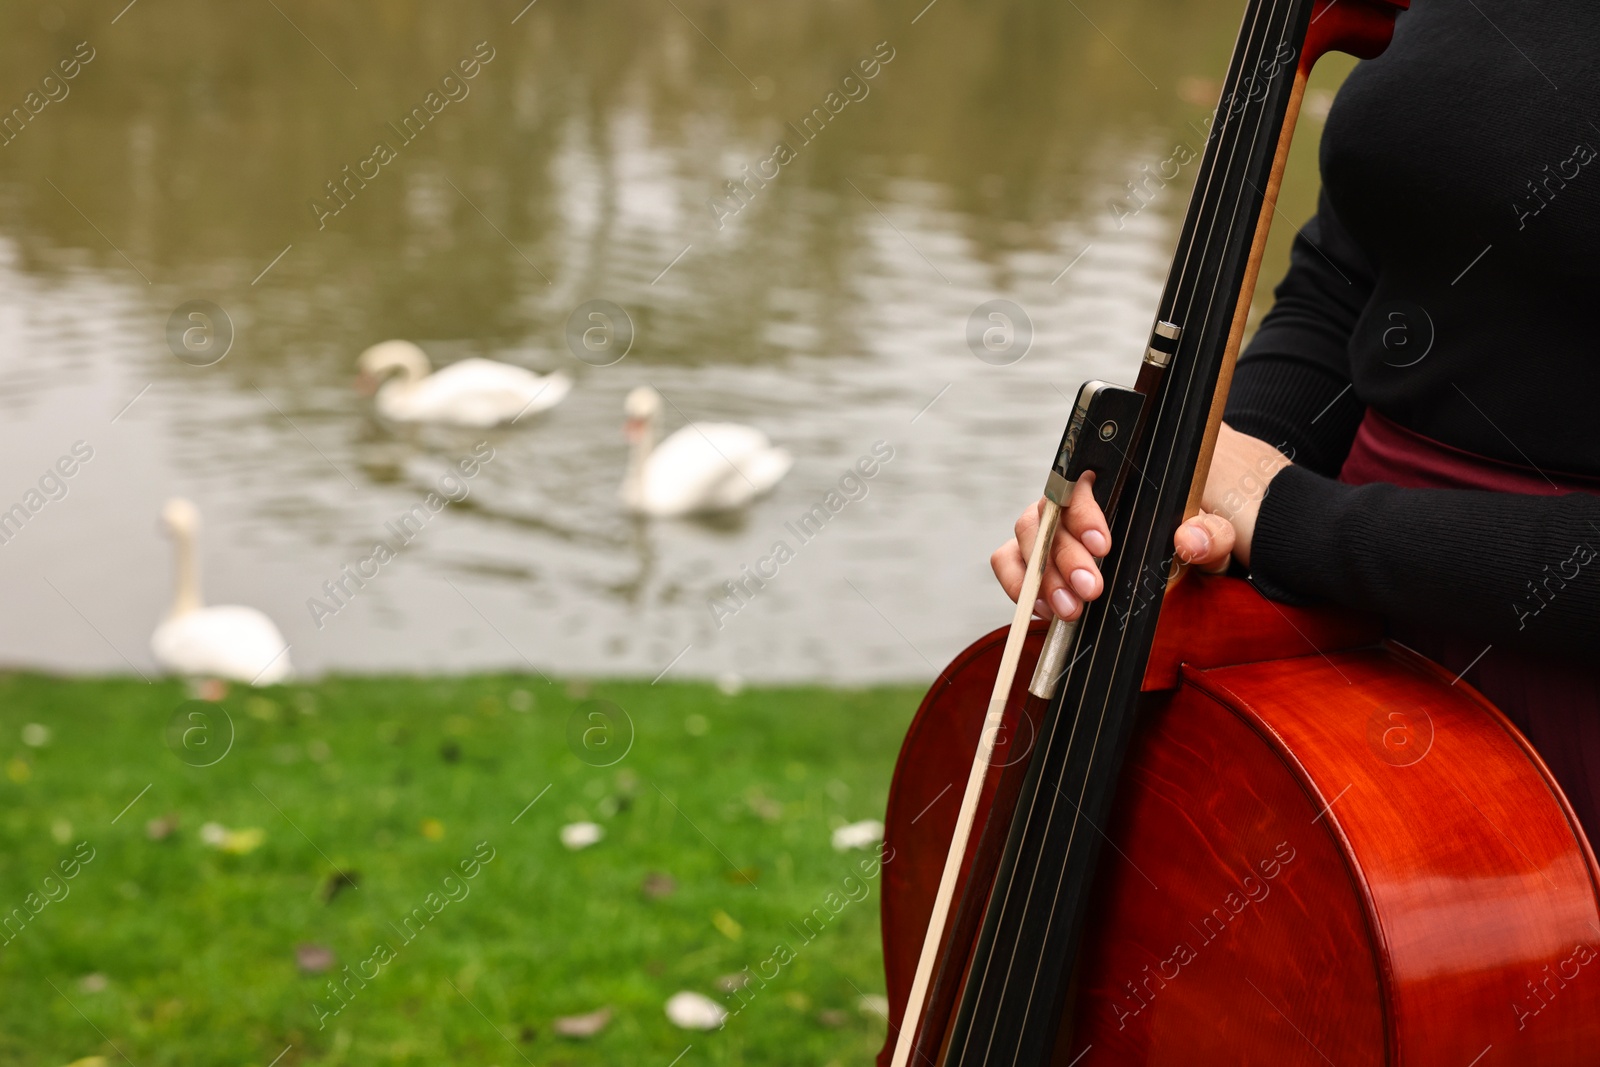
x=339, y=881
x=241, y=842
x=159, y=829
x=582, y=1025
x=874, y=1004
x=657, y=885
x=695, y=1011
x=727, y=925
x=832, y=1018
x=581, y=834
x=234, y=842
x=863, y=834
x=313, y=958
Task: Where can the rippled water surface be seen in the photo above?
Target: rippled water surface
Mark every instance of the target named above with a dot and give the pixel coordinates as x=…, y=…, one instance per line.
x=987, y=158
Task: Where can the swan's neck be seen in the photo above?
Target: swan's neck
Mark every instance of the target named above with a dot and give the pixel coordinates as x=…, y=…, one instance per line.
x=405, y=373
x=414, y=368
x=638, y=455
x=186, y=597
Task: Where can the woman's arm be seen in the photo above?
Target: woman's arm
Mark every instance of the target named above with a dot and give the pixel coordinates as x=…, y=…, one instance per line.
x=1512, y=568
x=1524, y=570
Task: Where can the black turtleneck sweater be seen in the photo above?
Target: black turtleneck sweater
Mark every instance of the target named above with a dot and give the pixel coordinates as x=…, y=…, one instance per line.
x=1461, y=190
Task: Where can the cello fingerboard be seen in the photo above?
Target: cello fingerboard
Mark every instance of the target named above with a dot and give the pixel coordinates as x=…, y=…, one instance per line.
x=1011, y=1004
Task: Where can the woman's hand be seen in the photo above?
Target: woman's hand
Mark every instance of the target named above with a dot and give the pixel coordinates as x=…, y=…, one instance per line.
x=1071, y=575
x=1241, y=469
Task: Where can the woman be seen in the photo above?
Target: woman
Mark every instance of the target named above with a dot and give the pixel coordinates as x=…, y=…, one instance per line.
x=1419, y=414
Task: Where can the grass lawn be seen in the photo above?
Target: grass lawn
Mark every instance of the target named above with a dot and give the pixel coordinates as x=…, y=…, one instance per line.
x=172, y=950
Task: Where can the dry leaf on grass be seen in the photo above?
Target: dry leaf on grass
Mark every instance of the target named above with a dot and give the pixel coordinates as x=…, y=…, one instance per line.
x=582, y=1025
x=695, y=1011
x=313, y=958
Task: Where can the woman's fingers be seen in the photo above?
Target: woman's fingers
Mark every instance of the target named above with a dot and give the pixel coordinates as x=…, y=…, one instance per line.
x=1083, y=519
x=1009, y=564
x=1010, y=560
x=1027, y=528
x=1071, y=575
x=1205, y=541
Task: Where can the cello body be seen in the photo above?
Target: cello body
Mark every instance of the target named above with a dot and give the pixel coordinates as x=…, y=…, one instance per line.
x=1323, y=850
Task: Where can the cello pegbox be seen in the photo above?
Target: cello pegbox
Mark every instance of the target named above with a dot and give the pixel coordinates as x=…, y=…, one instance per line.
x=1361, y=28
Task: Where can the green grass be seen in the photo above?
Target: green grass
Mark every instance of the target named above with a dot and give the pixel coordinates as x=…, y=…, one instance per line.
x=197, y=945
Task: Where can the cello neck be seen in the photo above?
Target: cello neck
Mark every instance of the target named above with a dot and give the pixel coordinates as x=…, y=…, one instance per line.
x=1012, y=1000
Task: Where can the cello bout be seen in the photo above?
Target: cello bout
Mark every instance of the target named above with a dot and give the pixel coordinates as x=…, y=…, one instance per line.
x=1318, y=856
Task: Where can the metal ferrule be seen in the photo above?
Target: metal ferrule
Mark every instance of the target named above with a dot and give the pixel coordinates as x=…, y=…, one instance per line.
x=1053, y=658
x=1163, y=343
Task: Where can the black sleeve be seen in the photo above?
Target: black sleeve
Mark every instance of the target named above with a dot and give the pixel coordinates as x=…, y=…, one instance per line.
x=1292, y=385
x=1512, y=568
x=1515, y=569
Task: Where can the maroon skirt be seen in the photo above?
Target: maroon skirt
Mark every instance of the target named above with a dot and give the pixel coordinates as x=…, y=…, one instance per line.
x=1555, y=701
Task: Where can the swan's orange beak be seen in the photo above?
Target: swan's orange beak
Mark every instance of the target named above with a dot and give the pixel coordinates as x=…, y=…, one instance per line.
x=366, y=384
x=633, y=429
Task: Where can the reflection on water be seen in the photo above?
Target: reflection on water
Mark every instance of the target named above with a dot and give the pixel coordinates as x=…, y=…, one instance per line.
x=581, y=152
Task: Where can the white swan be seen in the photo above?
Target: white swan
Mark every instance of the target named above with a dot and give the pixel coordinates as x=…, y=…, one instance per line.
x=235, y=643
x=473, y=392
x=705, y=466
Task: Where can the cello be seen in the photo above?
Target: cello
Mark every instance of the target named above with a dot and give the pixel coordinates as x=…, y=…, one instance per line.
x=1194, y=826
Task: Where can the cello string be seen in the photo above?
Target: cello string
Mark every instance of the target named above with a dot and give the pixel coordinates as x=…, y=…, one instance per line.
x=1224, y=165
x=1222, y=172
x=1189, y=384
x=1219, y=210
x=1261, y=125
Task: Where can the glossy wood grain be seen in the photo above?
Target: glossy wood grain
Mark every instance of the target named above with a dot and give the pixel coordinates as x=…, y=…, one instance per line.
x=1211, y=622
x=1229, y=930
x=1327, y=856
x=926, y=790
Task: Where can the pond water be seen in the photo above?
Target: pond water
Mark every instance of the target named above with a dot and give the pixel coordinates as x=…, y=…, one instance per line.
x=827, y=302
